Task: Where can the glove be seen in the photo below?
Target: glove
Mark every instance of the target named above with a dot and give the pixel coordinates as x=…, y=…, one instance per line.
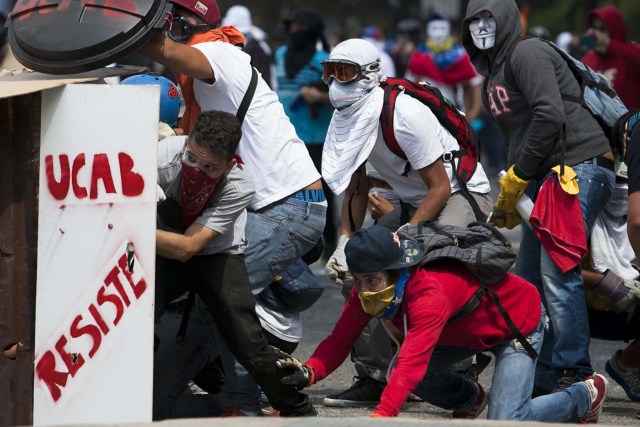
x=511, y=189
x=567, y=181
x=160, y=196
x=299, y=375
x=336, y=267
x=509, y=219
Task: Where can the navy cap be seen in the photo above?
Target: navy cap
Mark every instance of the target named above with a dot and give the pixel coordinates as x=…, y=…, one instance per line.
x=377, y=248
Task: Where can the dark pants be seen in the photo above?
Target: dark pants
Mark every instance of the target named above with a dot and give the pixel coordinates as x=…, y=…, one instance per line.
x=175, y=364
x=221, y=282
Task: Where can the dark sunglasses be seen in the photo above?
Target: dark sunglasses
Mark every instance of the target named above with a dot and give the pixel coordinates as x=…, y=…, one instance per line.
x=180, y=29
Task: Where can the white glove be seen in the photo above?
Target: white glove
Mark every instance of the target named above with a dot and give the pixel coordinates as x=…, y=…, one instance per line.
x=160, y=196
x=336, y=267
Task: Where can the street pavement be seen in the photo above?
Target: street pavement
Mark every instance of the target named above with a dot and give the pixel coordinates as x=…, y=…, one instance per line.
x=319, y=320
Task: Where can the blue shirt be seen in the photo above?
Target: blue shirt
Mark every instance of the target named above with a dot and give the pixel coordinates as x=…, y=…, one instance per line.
x=312, y=130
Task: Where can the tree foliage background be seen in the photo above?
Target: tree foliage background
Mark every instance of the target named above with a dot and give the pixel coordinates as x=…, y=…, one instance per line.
x=351, y=15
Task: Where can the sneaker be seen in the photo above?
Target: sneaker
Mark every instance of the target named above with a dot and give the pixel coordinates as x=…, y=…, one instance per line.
x=365, y=392
x=597, y=385
x=567, y=378
x=629, y=379
x=476, y=409
x=269, y=411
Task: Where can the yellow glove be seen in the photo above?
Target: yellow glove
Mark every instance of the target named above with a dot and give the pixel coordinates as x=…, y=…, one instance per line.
x=511, y=189
x=568, y=181
x=509, y=219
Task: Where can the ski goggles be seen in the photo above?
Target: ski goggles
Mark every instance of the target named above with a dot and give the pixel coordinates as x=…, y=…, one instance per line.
x=345, y=71
x=181, y=29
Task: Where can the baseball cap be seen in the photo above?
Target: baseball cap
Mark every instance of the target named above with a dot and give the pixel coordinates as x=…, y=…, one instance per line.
x=206, y=9
x=377, y=248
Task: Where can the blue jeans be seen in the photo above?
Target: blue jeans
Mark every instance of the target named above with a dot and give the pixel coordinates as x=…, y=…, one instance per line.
x=566, y=343
x=278, y=235
x=512, y=384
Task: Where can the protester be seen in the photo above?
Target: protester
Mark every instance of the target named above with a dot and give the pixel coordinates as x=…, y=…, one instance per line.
x=385, y=271
x=534, y=119
x=408, y=37
x=304, y=95
x=255, y=44
x=445, y=65
x=200, y=240
x=612, y=55
x=428, y=187
x=286, y=216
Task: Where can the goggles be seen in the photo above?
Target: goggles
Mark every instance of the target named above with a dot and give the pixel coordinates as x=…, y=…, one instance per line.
x=345, y=71
x=181, y=29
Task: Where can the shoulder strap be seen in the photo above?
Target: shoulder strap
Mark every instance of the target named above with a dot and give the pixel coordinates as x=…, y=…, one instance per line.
x=248, y=96
x=391, y=91
x=508, y=70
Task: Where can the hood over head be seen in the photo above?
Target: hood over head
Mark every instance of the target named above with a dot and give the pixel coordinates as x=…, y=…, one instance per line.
x=612, y=18
x=240, y=17
x=507, y=18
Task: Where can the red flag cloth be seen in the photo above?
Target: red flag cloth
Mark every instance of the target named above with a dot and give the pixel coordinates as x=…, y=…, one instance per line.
x=557, y=221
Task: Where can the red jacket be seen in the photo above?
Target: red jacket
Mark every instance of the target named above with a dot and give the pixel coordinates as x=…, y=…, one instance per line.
x=432, y=296
x=621, y=62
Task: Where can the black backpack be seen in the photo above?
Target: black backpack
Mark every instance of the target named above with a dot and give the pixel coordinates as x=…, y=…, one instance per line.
x=479, y=247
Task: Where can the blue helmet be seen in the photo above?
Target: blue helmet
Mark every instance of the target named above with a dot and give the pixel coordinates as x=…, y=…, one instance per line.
x=169, y=95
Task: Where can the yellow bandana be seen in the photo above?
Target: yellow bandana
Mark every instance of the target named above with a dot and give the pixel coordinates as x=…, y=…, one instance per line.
x=438, y=48
x=374, y=303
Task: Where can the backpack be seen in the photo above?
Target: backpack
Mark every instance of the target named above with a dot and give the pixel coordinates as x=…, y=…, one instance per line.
x=448, y=116
x=596, y=96
x=622, y=131
x=479, y=247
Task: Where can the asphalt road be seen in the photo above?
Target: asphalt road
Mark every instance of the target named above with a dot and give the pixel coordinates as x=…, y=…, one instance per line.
x=319, y=320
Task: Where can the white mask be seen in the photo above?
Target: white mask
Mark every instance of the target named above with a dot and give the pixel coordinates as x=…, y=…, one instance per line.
x=438, y=31
x=343, y=95
x=483, y=31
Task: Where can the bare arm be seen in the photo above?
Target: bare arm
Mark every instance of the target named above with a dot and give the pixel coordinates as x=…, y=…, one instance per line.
x=358, y=189
x=437, y=181
x=181, y=247
x=178, y=57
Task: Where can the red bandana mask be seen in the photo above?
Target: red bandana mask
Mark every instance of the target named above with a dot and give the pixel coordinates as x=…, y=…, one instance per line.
x=196, y=191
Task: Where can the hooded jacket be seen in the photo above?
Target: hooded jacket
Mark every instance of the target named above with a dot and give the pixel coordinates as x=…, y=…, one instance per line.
x=531, y=113
x=621, y=62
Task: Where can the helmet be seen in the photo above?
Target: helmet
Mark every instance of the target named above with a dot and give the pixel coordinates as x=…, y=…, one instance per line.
x=169, y=95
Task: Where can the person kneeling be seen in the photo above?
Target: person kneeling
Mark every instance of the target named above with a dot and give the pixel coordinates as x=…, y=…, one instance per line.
x=415, y=303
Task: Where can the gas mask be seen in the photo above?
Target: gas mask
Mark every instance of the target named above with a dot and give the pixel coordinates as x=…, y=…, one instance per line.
x=483, y=31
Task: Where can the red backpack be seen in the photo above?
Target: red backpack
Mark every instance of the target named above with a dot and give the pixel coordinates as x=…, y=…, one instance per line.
x=448, y=116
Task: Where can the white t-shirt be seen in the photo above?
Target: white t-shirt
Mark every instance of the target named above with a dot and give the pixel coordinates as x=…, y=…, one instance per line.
x=225, y=212
x=270, y=148
x=424, y=140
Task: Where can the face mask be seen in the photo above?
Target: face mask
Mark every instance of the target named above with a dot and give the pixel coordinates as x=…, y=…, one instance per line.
x=301, y=39
x=483, y=31
x=438, y=31
x=374, y=303
x=196, y=190
x=343, y=95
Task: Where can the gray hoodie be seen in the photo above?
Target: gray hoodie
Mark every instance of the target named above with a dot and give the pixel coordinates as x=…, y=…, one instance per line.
x=531, y=113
